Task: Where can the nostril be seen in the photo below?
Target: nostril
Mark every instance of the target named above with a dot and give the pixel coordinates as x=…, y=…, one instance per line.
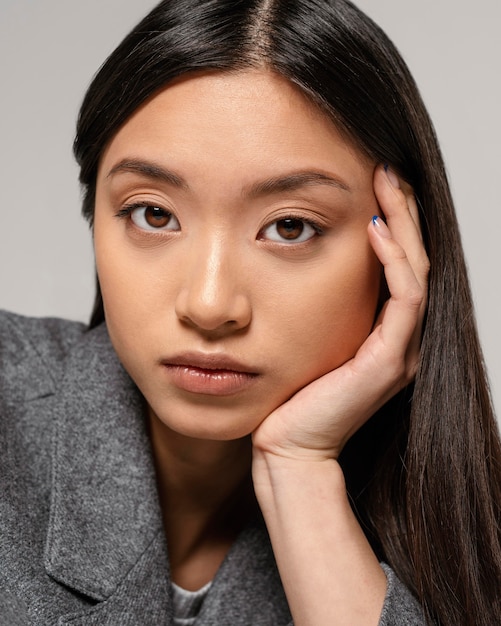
x=227, y=313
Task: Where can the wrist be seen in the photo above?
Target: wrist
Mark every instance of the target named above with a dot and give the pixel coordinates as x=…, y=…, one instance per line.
x=306, y=452
x=302, y=476
x=320, y=548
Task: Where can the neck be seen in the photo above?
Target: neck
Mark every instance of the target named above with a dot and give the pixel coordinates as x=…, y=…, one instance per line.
x=206, y=495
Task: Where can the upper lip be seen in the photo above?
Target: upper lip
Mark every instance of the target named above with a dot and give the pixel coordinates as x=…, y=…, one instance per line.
x=208, y=361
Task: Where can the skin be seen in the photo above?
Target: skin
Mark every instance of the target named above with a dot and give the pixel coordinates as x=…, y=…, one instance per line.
x=228, y=278
x=217, y=270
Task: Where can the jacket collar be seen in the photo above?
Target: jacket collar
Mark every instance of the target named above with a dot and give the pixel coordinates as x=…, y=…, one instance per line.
x=105, y=537
x=104, y=508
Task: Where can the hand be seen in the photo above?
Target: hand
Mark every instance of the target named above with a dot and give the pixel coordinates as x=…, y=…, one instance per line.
x=318, y=420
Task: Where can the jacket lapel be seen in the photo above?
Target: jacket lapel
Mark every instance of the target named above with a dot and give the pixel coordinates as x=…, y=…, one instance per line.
x=105, y=538
x=105, y=518
x=142, y=597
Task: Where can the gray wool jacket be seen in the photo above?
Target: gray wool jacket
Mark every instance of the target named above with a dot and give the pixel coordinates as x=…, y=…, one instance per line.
x=81, y=538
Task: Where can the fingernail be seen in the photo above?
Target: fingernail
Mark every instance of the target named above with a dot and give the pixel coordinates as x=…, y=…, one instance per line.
x=381, y=227
x=392, y=177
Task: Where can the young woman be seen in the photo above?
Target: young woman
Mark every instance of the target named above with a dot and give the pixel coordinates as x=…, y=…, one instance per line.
x=279, y=411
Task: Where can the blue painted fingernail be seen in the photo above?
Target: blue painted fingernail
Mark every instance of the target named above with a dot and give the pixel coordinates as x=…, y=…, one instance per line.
x=392, y=177
x=380, y=226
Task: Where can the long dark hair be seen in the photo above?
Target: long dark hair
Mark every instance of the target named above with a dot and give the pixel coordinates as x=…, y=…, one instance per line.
x=424, y=473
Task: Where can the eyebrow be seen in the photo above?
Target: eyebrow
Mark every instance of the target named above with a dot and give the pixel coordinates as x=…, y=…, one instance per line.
x=292, y=182
x=148, y=170
x=270, y=186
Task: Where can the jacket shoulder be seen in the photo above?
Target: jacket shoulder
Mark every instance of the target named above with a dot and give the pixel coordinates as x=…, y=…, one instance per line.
x=32, y=353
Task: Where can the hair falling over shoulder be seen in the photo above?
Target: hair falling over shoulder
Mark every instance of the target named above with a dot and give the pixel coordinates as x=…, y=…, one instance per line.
x=428, y=493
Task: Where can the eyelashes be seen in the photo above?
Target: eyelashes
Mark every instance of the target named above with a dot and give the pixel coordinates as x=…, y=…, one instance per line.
x=150, y=218
x=290, y=229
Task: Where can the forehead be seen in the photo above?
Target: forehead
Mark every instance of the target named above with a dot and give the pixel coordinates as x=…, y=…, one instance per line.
x=215, y=93
x=248, y=119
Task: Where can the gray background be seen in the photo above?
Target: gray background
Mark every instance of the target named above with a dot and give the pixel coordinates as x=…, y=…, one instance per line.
x=49, y=50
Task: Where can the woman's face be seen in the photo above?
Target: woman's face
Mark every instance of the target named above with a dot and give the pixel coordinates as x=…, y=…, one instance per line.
x=232, y=250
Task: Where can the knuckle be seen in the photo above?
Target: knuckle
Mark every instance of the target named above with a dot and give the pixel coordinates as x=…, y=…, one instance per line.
x=414, y=296
x=396, y=370
x=424, y=265
x=411, y=371
x=402, y=372
x=399, y=253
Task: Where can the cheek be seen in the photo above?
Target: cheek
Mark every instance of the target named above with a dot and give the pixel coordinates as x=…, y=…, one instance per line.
x=333, y=316
x=121, y=287
x=128, y=277
x=127, y=310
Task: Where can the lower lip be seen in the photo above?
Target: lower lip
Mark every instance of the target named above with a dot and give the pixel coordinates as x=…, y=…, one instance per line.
x=210, y=382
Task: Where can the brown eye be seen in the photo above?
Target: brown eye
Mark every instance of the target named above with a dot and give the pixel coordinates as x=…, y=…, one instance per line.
x=290, y=230
x=153, y=218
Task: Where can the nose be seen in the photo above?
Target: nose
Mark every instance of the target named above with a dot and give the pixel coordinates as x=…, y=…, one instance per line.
x=212, y=295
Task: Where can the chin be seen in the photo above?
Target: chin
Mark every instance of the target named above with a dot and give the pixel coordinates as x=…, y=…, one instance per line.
x=210, y=424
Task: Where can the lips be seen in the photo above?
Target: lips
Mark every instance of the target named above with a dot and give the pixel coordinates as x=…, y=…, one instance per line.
x=211, y=374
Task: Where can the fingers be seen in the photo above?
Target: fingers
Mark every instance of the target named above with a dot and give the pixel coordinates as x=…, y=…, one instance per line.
x=399, y=247
x=397, y=201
